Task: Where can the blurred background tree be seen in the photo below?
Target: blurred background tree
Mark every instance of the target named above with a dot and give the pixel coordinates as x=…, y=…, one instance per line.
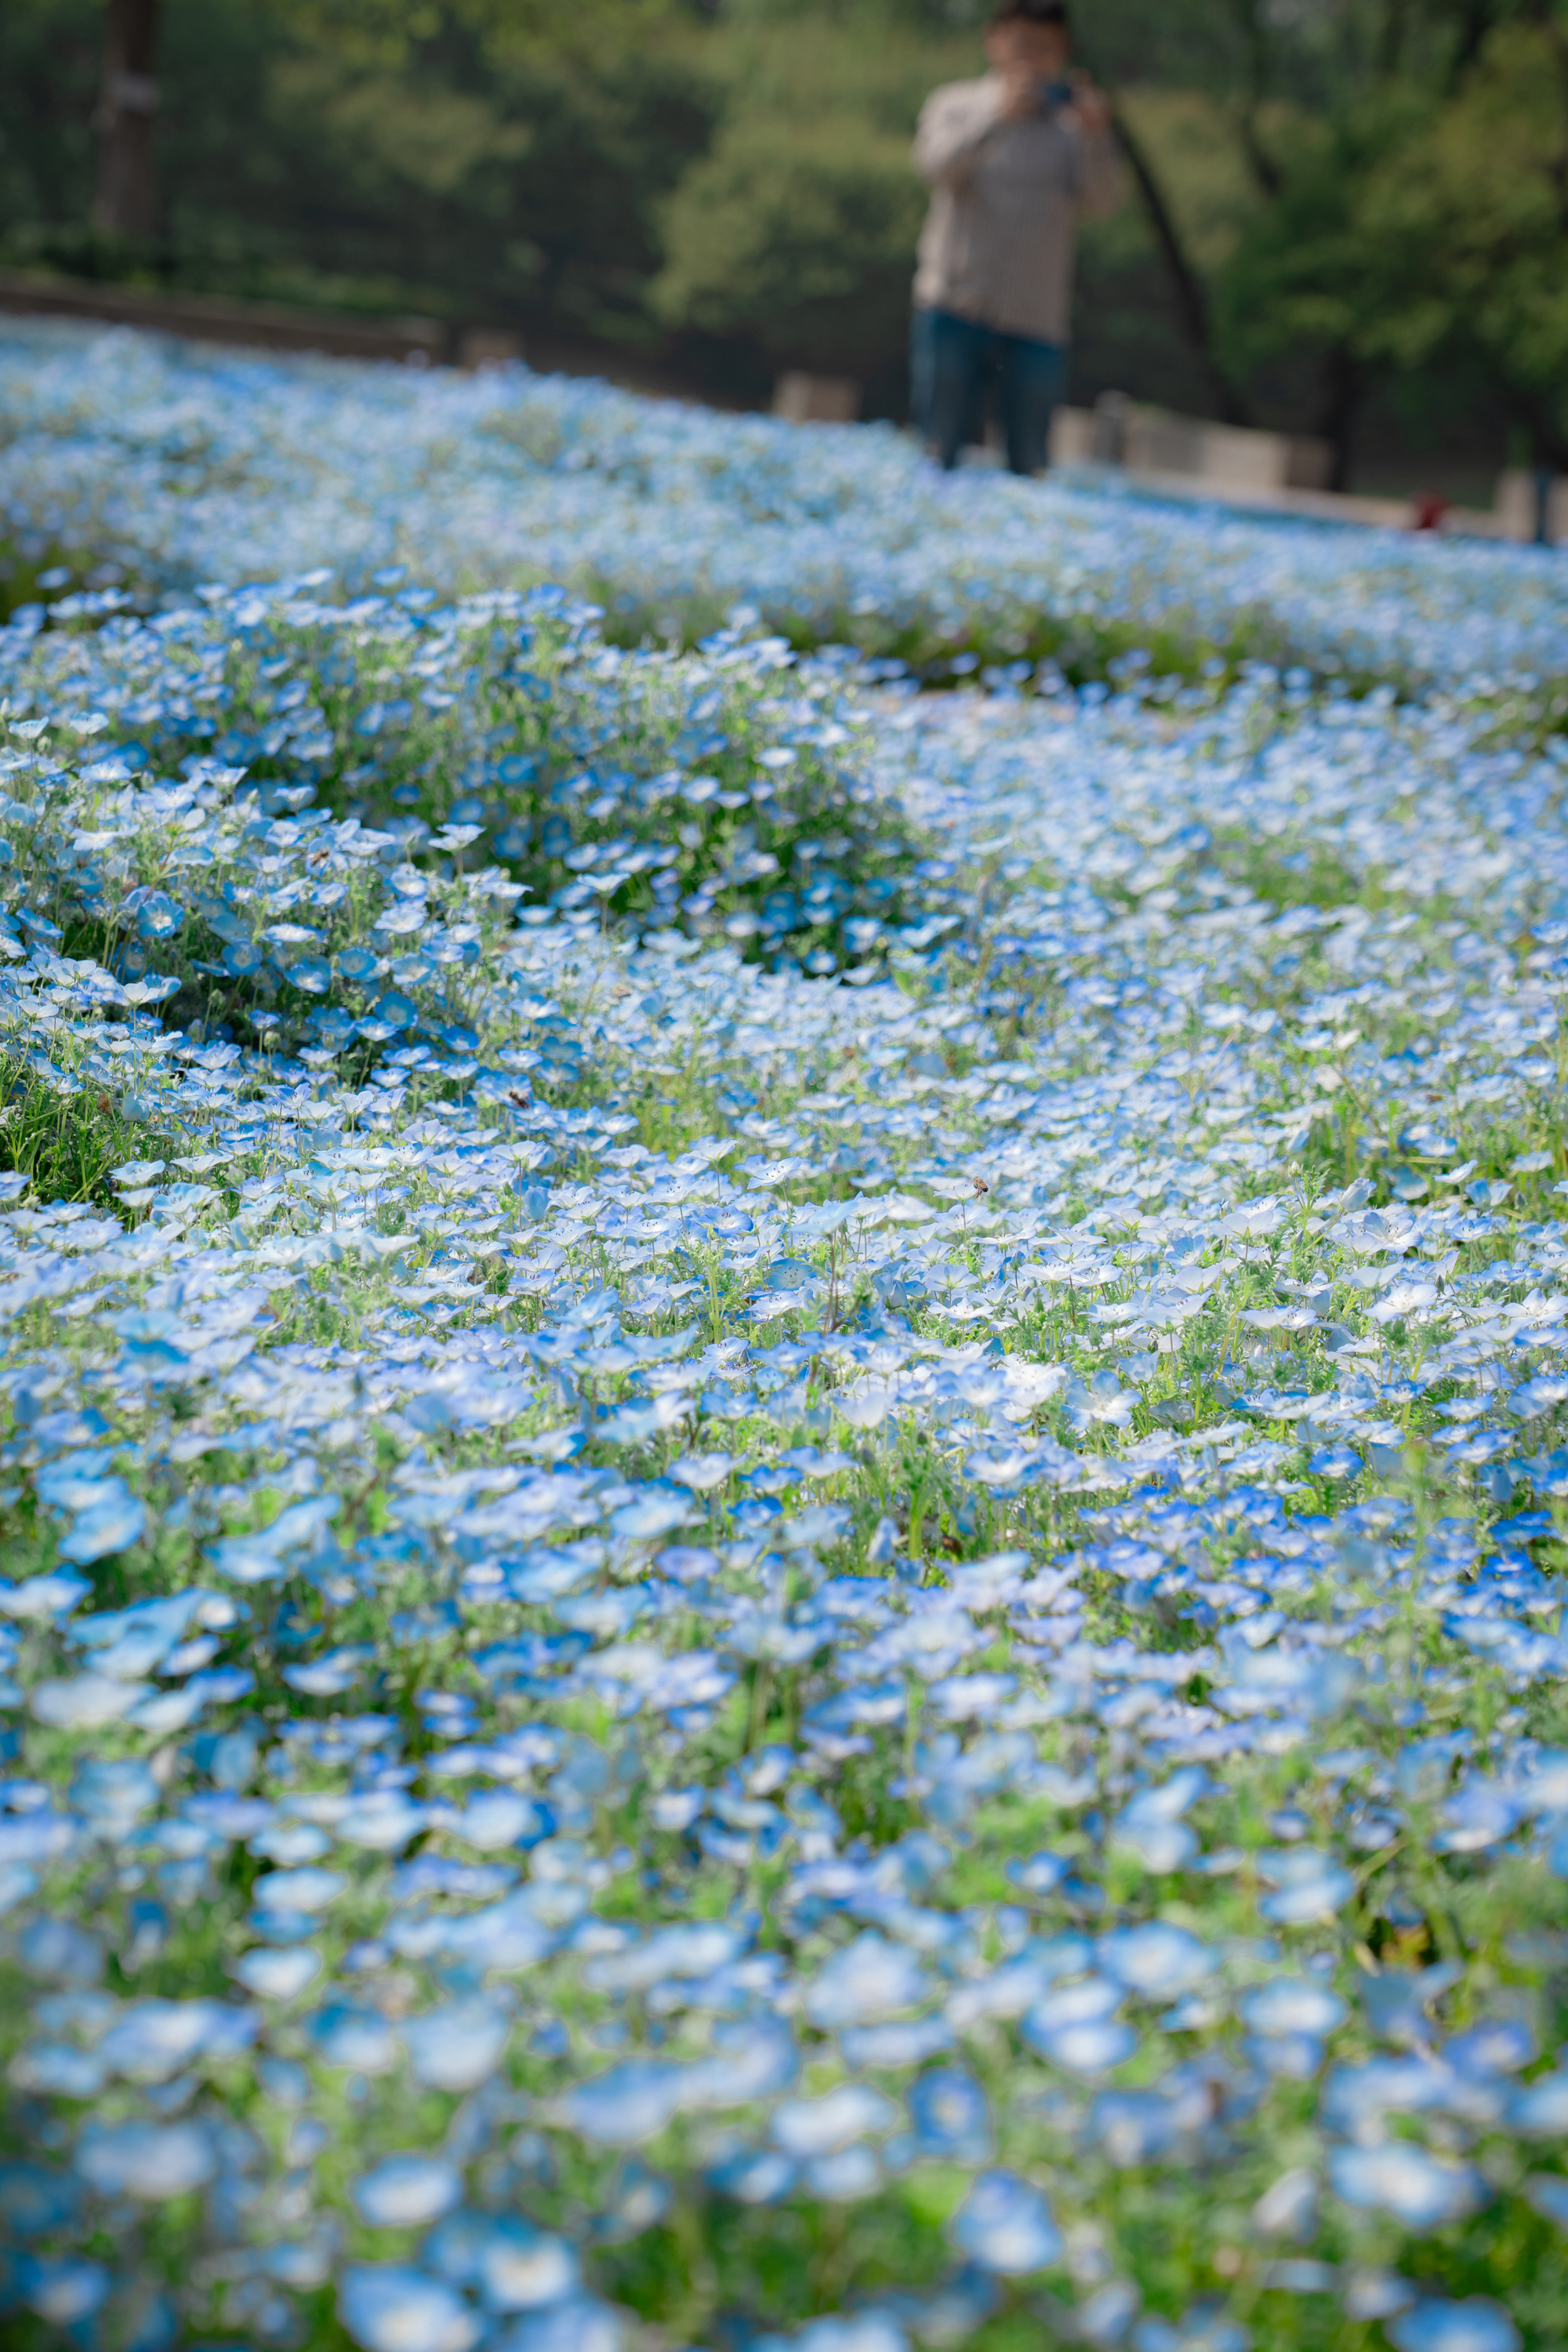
x=1351, y=215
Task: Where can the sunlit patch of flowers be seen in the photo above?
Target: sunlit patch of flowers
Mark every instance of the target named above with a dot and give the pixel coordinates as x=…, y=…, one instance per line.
x=831, y=1626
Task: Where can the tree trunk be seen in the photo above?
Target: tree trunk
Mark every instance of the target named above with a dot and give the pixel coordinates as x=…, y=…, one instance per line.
x=1259, y=163
x=1337, y=414
x=1192, y=298
x=126, y=202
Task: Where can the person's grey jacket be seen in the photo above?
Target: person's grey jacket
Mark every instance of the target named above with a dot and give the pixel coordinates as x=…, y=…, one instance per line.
x=1006, y=200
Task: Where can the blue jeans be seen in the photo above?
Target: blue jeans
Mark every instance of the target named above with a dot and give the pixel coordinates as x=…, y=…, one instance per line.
x=955, y=364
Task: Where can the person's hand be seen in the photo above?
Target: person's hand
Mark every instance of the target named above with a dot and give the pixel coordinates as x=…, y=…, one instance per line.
x=1091, y=108
x=1020, y=93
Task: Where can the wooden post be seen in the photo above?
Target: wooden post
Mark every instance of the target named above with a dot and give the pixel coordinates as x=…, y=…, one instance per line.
x=126, y=202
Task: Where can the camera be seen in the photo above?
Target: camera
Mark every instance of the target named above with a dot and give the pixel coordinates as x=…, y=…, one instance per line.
x=1055, y=95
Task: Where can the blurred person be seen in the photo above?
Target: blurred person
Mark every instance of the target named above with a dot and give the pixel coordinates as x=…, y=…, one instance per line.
x=1014, y=161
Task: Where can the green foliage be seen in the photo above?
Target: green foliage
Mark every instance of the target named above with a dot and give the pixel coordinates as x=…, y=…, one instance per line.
x=798, y=225
x=803, y=232
x=461, y=160
x=1303, y=273
x=1475, y=208
x=1416, y=220
x=65, y=1138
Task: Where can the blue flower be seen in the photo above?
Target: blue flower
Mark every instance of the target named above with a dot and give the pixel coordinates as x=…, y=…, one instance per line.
x=1005, y=2225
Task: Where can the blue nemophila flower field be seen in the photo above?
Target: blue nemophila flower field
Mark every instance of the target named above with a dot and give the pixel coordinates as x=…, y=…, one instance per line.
x=146, y=467
x=784, y=1461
